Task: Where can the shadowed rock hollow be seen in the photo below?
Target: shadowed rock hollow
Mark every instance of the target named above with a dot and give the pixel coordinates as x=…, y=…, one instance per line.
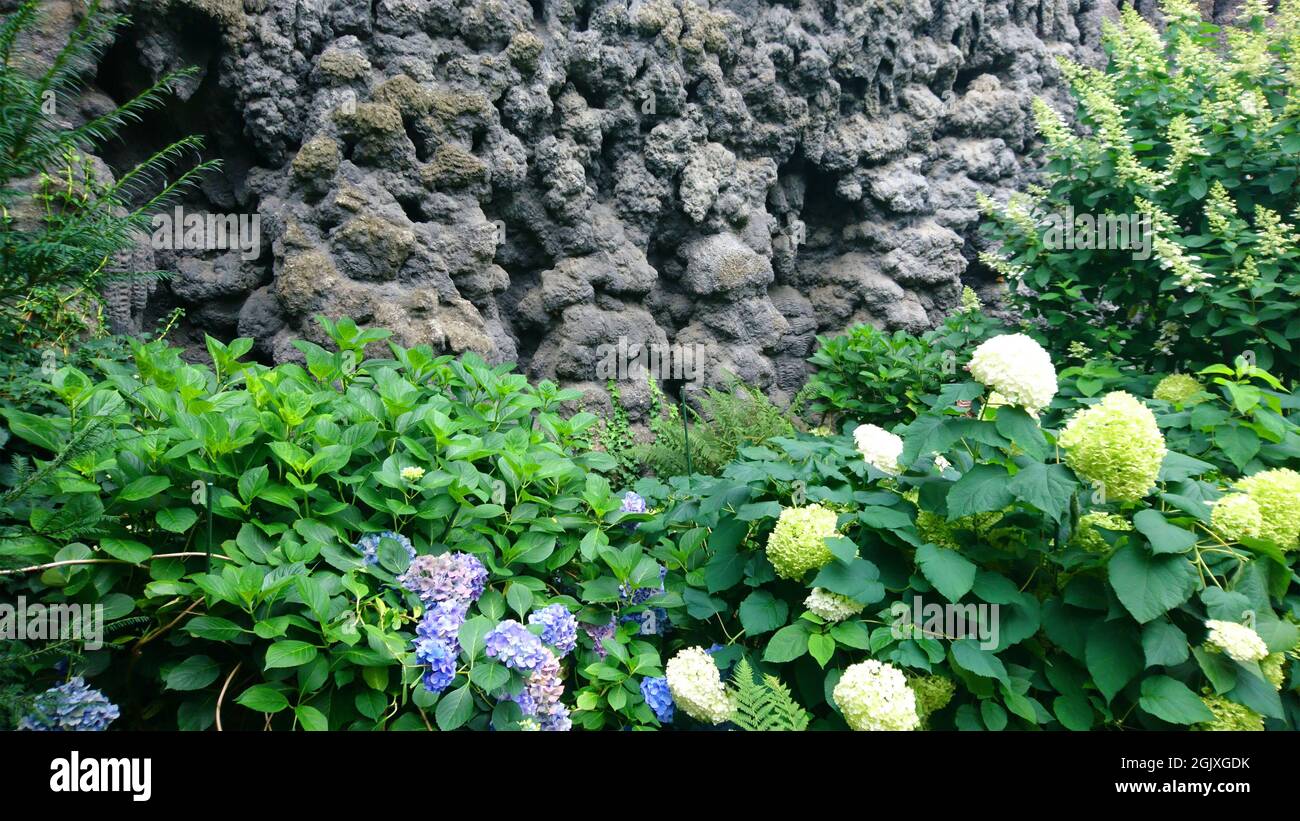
x=534, y=180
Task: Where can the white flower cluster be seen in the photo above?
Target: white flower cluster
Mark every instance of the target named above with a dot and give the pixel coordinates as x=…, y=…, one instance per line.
x=832, y=606
x=874, y=696
x=1238, y=641
x=879, y=447
x=1016, y=367
x=696, y=686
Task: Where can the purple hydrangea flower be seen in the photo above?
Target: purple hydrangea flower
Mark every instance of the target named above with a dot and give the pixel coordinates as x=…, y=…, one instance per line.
x=442, y=622
x=653, y=621
x=516, y=646
x=598, y=633
x=448, y=577
x=70, y=706
x=441, y=661
x=633, y=503
x=540, y=698
x=559, y=627
x=658, y=698
x=368, y=546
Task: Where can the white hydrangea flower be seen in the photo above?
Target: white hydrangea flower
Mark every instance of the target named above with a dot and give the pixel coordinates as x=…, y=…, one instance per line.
x=874, y=695
x=1016, y=367
x=879, y=447
x=832, y=606
x=941, y=464
x=1238, y=641
x=696, y=686
x=412, y=474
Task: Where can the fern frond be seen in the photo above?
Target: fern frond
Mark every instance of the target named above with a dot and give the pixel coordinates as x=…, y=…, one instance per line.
x=764, y=705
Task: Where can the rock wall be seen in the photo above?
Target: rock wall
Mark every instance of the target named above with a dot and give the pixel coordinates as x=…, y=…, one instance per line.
x=533, y=180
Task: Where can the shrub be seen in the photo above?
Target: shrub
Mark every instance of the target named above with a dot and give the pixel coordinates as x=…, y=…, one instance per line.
x=313, y=488
x=1101, y=603
x=1195, y=130
x=868, y=375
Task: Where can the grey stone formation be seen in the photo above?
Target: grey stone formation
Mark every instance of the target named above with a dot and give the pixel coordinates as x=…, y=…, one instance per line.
x=536, y=180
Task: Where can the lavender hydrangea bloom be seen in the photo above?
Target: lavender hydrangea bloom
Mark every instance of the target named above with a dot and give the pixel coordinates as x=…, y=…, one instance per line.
x=540, y=698
x=368, y=545
x=516, y=646
x=70, y=706
x=633, y=503
x=441, y=661
x=658, y=698
x=559, y=627
x=449, y=577
x=442, y=622
x=598, y=633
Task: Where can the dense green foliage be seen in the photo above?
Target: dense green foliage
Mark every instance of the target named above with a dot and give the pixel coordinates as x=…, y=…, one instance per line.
x=1196, y=129
x=61, y=222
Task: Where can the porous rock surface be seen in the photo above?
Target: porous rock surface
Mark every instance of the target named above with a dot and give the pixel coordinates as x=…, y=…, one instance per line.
x=535, y=180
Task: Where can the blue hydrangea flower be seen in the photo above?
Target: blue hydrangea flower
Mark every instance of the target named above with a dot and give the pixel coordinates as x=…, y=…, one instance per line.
x=640, y=595
x=653, y=621
x=559, y=627
x=368, y=546
x=633, y=503
x=516, y=646
x=658, y=698
x=448, y=577
x=441, y=661
x=442, y=622
x=70, y=706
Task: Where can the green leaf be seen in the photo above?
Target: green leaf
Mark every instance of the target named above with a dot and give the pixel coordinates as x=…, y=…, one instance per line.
x=1149, y=586
x=856, y=580
x=213, y=628
x=1170, y=700
x=311, y=719
x=1113, y=656
x=1023, y=430
x=787, y=644
x=252, y=482
x=519, y=598
x=126, y=550
x=983, y=488
x=1074, y=712
x=971, y=657
x=852, y=634
x=761, y=612
x=1239, y=443
x=1163, y=643
x=195, y=673
x=725, y=569
x=995, y=718
x=289, y=653
x=262, y=698
x=951, y=573
x=1164, y=537
x=143, y=488
x=821, y=647
x=455, y=708
x=176, y=519
x=1047, y=487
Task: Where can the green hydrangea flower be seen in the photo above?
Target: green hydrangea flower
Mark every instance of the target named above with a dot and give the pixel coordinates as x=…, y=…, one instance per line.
x=798, y=542
x=1179, y=389
x=1086, y=535
x=1229, y=715
x=1277, y=492
x=932, y=693
x=1115, y=444
x=1272, y=668
x=1237, y=516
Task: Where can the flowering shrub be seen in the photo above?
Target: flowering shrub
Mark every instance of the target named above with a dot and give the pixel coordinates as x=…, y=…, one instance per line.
x=1195, y=132
x=373, y=521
